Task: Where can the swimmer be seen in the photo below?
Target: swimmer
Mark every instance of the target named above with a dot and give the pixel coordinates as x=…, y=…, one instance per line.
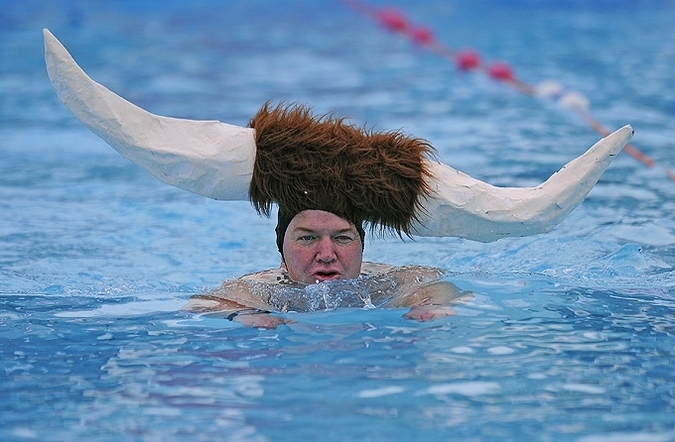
x=317, y=247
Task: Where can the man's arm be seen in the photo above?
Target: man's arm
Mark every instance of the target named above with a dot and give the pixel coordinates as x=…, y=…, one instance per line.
x=427, y=301
x=234, y=301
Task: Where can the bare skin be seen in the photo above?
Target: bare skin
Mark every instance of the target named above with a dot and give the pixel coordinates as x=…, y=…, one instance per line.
x=429, y=301
x=320, y=246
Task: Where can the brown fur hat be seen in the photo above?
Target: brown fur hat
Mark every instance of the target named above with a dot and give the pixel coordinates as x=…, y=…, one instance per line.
x=304, y=162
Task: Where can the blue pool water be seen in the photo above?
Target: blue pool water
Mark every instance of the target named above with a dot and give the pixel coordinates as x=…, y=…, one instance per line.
x=570, y=335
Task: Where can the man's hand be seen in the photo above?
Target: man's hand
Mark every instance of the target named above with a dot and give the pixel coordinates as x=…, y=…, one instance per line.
x=430, y=312
x=261, y=320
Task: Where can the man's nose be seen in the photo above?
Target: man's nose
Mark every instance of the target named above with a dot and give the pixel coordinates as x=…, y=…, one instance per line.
x=326, y=250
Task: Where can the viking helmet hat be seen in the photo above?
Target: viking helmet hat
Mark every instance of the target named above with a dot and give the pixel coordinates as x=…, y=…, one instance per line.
x=299, y=162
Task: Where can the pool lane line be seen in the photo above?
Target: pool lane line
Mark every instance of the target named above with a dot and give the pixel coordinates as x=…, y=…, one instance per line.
x=469, y=60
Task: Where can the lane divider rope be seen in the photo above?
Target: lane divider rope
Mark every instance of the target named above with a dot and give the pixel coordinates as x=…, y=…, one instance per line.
x=469, y=60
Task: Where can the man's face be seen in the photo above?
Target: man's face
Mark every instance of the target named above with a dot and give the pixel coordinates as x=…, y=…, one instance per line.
x=319, y=246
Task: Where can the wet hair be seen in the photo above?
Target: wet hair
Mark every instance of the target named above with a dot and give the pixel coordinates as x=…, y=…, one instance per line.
x=284, y=218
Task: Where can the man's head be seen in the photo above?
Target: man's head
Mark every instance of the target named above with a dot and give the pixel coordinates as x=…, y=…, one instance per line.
x=320, y=246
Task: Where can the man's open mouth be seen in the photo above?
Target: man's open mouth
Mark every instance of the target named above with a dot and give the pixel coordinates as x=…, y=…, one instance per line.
x=326, y=275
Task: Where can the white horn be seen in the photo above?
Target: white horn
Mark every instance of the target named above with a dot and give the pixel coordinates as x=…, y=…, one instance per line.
x=468, y=208
x=216, y=160
x=206, y=157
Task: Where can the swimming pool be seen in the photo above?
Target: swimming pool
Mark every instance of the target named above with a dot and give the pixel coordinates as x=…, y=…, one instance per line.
x=570, y=335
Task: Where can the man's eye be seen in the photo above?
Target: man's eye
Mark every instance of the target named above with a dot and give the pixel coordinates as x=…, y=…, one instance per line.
x=306, y=238
x=344, y=239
